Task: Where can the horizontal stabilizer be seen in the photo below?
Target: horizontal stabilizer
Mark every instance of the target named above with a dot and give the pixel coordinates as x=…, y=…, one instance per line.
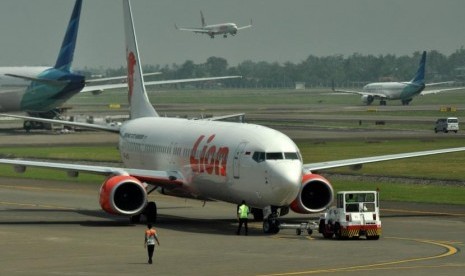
x=44, y=81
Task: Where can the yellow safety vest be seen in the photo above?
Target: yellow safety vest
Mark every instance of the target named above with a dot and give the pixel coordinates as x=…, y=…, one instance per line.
x=243, y=211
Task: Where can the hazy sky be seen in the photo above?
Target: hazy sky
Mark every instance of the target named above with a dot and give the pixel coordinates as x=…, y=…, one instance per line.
x=284, y=30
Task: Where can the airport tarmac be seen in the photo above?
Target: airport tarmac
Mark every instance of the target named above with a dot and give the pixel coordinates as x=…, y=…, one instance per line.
x=56, y=228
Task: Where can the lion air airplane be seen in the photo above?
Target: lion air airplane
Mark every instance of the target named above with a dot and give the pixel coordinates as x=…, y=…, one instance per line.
x=204, y=159
x=40, y=91
x=216, y=29
x=403, y=91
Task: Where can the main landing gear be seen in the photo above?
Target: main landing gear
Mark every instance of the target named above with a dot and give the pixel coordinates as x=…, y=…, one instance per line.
x=150, y=211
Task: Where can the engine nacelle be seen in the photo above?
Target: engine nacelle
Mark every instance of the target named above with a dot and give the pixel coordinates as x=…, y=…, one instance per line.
x=367, y=99
x=315, y=195
x=123, y=195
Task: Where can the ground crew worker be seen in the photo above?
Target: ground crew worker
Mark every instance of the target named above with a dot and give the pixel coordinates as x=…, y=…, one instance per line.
x=149, y=241
x=242, y=215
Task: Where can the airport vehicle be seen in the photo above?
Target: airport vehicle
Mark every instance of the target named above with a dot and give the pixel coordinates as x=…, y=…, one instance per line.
x=403, y=91
x=447, y=124
x=215, y=29
x=300, y=227
x=41, y=91
x=204, y=159
x=356, y=214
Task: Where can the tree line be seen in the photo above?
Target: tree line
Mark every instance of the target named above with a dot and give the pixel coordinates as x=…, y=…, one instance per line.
x=351, y=71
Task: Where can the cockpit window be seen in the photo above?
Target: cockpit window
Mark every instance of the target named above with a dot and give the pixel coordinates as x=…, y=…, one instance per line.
x=291, y=155
x=258, y=156
x=274, y=155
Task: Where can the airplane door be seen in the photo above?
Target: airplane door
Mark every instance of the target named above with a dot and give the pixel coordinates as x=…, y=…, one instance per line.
x=237, y=159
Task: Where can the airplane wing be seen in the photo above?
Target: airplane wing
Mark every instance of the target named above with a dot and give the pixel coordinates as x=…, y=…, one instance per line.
x=94, y=88
x=219, y=118
x=122, y=78
x=362, y=93
x=438, y=83
x=435, y=91
x=196, y=30
x=356, y=163
x=167, y=179
x=245, y=27
x=108, y=128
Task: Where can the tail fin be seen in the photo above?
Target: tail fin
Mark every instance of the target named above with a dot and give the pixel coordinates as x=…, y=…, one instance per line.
x=420, y=75
x=202, y=19
x=65, y=57
x=140, y=105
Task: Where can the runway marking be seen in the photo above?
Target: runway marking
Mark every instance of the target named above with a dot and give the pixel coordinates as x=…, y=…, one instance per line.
x=451, y=250
x=423, y=212
x=35, y=205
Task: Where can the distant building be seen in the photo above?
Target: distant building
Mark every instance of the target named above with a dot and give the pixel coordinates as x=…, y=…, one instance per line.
x=299, y=85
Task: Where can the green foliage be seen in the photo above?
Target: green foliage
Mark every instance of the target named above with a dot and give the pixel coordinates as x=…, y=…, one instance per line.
x=441, y=166
x=351, y=71
x=407, y=192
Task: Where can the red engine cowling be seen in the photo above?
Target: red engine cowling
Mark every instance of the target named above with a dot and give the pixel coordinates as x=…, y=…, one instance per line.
x=123, y=195
x=315, y=195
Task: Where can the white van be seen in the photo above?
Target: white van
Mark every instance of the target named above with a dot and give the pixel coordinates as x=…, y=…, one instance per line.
x=447, y=124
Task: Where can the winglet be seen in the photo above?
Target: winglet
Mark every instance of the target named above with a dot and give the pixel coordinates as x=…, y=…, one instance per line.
x=420, y=74
x=202, y=18
x=65, y=57
x=139, y=102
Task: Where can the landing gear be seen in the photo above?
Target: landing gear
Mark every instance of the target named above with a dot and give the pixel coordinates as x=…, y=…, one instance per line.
x=150, y=213
x=271, y=222
x=225, y=35
x=406, y=102
x=271, y=225
x=28, y=125
x=382, y=102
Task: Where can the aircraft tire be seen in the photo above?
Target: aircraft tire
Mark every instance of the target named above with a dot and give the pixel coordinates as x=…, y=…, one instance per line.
x=271, y=226
x=151, y=212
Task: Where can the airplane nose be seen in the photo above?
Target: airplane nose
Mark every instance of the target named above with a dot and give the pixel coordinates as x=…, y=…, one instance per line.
x=286, y=180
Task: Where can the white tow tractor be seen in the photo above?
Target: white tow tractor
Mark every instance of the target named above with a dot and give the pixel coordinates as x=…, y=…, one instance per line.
x=356, y=214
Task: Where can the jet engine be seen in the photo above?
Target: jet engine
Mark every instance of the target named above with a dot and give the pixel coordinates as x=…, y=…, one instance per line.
x=316, y=194
x=367, y=99
x=123, y=195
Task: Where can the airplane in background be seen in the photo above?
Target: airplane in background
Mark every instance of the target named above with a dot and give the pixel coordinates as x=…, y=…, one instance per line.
x=41, y=91
x=203, y=159
x=403, y=91
x=216, y=29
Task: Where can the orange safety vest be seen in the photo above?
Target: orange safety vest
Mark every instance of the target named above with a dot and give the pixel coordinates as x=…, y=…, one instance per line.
x=150, y=235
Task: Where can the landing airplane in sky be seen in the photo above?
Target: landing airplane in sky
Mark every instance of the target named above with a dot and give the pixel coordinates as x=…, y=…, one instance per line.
x=216, y=29
x=403, y=91
x=207, y=160
x=41, y=91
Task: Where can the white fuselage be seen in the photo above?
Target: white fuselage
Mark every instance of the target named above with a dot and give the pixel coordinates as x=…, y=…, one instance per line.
x=12, y=89
x=226, y=28
x=218, y=160
x=393, y=90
